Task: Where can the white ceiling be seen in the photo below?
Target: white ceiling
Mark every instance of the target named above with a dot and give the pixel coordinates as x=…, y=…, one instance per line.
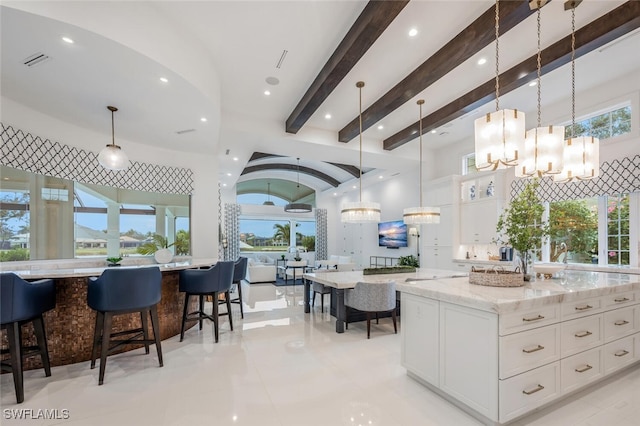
x=246, y=39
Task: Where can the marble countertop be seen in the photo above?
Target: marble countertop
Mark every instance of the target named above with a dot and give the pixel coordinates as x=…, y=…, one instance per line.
x=68, y=270
x=449, y=286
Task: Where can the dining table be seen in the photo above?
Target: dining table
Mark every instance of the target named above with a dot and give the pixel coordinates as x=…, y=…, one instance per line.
x=343, y=281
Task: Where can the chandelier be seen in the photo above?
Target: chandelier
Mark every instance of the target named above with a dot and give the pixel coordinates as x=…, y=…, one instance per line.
x=360, y=211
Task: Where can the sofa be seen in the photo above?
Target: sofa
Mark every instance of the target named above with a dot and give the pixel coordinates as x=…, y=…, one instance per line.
x=260, y=272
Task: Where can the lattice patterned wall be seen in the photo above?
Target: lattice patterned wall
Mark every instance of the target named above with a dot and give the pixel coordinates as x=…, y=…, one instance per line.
x=24, y=151
x=321, y=234
x=617, y=177
x=232, y=229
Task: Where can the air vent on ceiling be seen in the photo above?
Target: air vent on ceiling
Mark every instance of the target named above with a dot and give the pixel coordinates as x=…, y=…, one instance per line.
x=228, y=152
x=443, y=134
x=182, y=132
x=284, y=55
x=36, y=59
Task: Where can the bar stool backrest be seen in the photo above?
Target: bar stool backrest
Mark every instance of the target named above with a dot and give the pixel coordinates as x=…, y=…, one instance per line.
x=240, y=269
x=218, y=278
x=121, y=289
x=21, y=300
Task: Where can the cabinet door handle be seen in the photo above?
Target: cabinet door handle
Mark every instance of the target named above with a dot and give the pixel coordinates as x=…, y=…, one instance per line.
x=621, y=353
x=539, y=317
x=621, y=299
x=583, y=334
x=586, y=367
x=583, y=308
x=623, y=322
x=532, y=391
x=536, y=349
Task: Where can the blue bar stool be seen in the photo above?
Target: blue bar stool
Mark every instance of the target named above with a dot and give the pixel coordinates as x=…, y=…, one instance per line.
x=23, y=302
x=207, y=282
x=124, y=291
x=239, y=274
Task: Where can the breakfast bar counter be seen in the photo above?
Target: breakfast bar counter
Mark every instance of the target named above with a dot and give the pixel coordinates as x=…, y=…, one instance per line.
x=69, y=326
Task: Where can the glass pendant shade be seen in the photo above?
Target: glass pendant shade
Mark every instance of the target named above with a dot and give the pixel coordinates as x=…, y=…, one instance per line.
x=543, y=152
x=112, y=157
x=419, y=215
x=499, y=138
x=581, y=159
x=360, y=212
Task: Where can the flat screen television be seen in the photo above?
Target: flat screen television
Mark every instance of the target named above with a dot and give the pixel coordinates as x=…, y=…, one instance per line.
x=392, y=234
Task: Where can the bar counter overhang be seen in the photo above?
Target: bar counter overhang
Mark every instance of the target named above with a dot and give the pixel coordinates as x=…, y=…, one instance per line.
x=69, y=326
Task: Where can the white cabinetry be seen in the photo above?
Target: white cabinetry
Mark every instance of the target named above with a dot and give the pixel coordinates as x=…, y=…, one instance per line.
x=478, y=221
x=504, y=366
x=437, y=240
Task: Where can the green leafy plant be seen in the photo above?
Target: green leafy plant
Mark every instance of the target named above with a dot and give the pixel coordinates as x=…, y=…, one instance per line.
x=157, y=243
x=113, y=260
x=410, y=260
x=521, y=226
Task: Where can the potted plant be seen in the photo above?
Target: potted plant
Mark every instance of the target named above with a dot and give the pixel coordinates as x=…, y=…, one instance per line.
x=521, y=226
x=410, y=260
x=113, y=261
x=158, y=247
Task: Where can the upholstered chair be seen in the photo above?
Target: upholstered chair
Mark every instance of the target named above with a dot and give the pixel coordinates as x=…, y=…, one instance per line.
x=372, y=298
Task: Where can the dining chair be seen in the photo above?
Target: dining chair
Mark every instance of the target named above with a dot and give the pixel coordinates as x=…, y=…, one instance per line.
x=372, y=298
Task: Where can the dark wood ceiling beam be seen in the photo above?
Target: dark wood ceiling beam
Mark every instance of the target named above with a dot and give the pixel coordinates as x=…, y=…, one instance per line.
x=352, y=170
x=603, y=30
x=294, y=168
x=262, y=155
x=479, y=34
x=374, y=19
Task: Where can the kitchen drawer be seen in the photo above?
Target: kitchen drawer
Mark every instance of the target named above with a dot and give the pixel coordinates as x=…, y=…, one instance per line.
x=581, y=369
x=580, y=308
x=524, y=351
x=524, y=392
x=526, y=320
x=581, y=334
x=617, y=354
x=620, y=299
x=619, y=323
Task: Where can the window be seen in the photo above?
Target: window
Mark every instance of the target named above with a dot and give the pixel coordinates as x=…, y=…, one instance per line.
x=612, y=123
x=14, y=225
x=469, y=164
x=573, y=236
x=264, y=235
x=618, y=229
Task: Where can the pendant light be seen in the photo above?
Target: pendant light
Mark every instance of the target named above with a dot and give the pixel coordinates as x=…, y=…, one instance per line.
x=418, y=215
x=268, y=202
x=360, y=211
x=298, y=207
x=543, y=146
x=112, y=157
x=499, y=136
x=581, y=153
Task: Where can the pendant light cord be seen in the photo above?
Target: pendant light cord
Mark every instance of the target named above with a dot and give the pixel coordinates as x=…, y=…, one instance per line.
x=539, y=65
x=573, y=71
x=420, y=102
x=360, y=85
x=497, y=56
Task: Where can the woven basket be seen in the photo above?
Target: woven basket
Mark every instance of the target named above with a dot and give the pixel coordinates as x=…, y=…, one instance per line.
x=496, y=277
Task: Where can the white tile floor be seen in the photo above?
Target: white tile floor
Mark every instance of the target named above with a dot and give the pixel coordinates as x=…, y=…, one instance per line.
x=279, y=367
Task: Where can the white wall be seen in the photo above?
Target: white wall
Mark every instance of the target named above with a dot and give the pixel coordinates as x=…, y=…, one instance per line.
x=204, y=201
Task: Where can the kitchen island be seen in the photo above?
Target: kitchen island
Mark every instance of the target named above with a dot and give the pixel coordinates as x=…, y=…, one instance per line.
x=500, y=353
x=69, y=326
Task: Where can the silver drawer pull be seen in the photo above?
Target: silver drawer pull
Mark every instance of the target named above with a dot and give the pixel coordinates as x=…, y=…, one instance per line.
x=537, y=389
x=623, y=322
x=539, y=317
x=583, y=334
x=621, y=299
x=529, y=351
x=583, y=308
x=586, y=367
x=622, y=353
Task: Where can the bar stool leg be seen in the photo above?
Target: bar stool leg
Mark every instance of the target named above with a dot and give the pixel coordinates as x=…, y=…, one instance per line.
x=239, y=301
x=200, y=320
x=41, y=336
x=227, y=297
x=145, y=329
x=97, y=335
x=184, y=315
x=14, y=335
x=395, y=326
x=215, y=315
x=156, y=331
x=106, y=336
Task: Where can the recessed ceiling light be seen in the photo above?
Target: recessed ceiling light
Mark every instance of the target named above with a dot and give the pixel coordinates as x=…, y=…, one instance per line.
x=67, y=40
x=203, y=119
x=228, y=174
x=224, y=184
x=380, y=177
x=267, y=93
x=533, y=83
x=327, y=116
x=235, y=158
x=354, y=187
x=380, y=127
x=433, y=131
x=482, y=61
x=164, y=79
x=413, y=32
